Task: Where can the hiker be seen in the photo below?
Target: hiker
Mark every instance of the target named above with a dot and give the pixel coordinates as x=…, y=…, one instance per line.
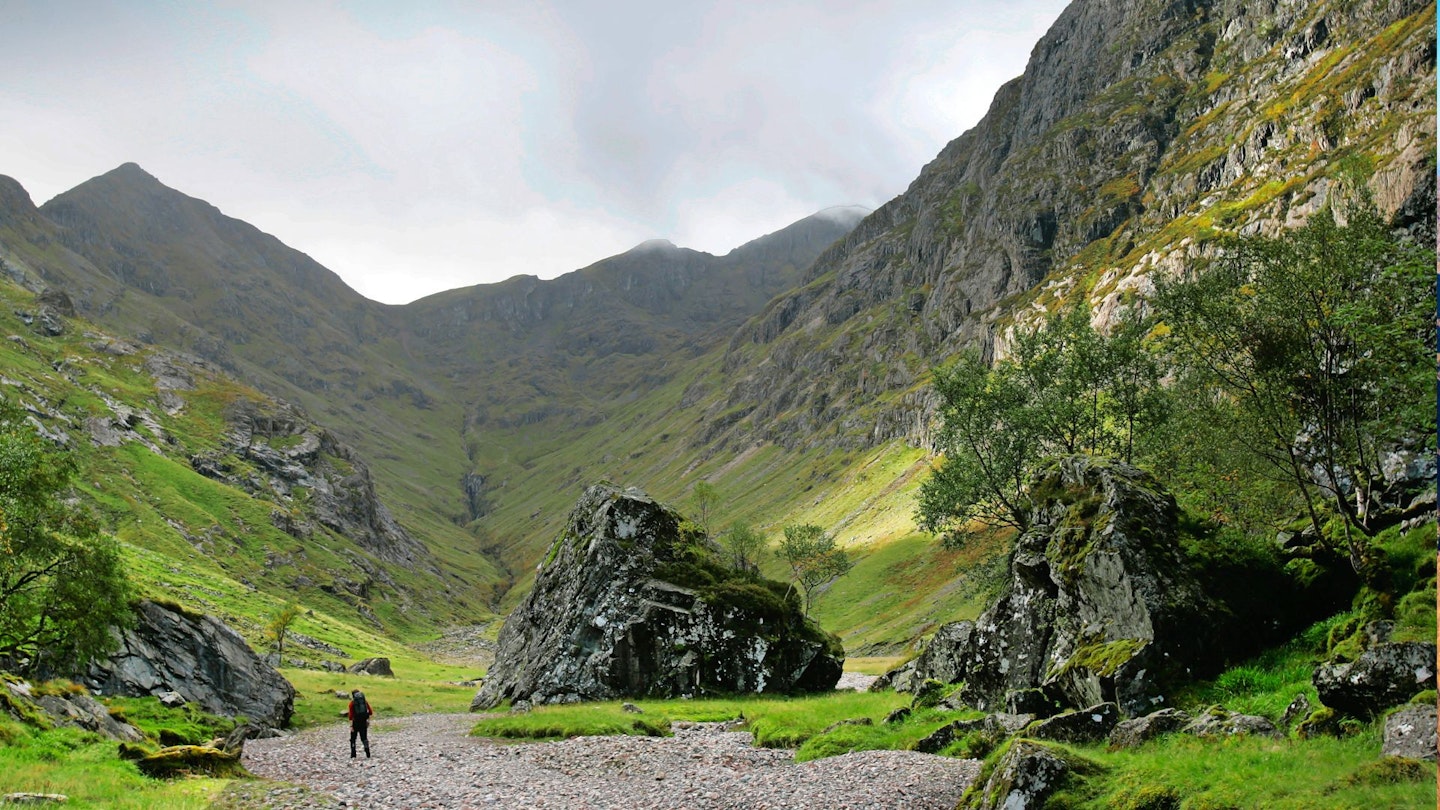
x=360, y=713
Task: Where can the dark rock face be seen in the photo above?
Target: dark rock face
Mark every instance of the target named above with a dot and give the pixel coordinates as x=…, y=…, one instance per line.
x=1410, y=733
x=292, y=453
x=627, y=604
x=1014, y=199
x=1099, y=606
x=1383, y=676
x=200, y=658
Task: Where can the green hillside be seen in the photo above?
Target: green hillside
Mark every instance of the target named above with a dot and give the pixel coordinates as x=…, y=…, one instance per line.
x=792, y=374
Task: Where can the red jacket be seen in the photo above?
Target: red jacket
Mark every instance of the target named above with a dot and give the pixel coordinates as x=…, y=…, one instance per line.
x=369, y=712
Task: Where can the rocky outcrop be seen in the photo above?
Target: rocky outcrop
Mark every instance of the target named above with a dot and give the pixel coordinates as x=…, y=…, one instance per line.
x=629, y=603
x=1098, y=607
x=1132, y=122
x=74, y=709
x=1384, y=675
x=278, y=452
x=198, y=657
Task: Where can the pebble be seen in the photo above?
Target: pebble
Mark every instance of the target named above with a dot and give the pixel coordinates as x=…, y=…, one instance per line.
x=431, y=761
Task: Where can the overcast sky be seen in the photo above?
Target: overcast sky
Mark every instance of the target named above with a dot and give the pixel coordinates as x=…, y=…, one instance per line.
x=415, y=147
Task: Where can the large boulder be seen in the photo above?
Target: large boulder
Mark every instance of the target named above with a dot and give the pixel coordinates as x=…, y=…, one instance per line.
x=200, y=658
x=631, y=604
x=1099, y=605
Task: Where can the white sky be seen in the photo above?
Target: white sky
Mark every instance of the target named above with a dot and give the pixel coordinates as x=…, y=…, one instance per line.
x=414, y=147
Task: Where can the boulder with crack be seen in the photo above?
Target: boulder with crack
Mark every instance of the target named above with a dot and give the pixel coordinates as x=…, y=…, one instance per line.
x=631, y=602
x=201, y=659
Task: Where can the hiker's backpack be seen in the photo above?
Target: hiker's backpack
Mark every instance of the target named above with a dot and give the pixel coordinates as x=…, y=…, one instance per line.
x=361, y=713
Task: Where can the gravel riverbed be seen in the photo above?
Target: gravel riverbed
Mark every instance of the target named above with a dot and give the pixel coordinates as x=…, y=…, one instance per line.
x=430, y=761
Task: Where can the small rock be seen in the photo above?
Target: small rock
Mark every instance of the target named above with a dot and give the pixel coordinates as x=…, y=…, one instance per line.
x=1383, y=676
x=631, y=708
x=173, y=700
x=1217, y=721
x=1027, y=775
x=1411, y=733
x=25, y=799
x=1083, y=726
x=1298, y=709
x=373, y=666
x=853, y=721
x=1136, y=730
x=897, y=715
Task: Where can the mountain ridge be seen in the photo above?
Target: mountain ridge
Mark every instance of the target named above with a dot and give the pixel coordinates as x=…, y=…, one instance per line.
x=796, y=366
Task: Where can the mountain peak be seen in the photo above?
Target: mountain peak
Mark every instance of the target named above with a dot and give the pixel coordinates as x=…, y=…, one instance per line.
x=130, y=172
x=654, y=246
x=14, y=199
x=847, y=216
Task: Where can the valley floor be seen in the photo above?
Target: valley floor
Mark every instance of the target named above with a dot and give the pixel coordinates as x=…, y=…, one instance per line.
x=431, y=761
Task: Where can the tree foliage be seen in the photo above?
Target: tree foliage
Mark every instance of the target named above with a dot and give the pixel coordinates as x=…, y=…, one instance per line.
x=277, y=624
x=706, y=497
x=1065, y=388
x=62, y=583
x=1314, y=352
x=744, y=544
x=813, y=558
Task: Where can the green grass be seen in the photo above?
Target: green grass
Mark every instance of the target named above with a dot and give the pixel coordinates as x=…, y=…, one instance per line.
x=776, y=722
x=1247, y=772
x=419, y=687
x=184, y=725
x=1264, y=685
x=84, y=767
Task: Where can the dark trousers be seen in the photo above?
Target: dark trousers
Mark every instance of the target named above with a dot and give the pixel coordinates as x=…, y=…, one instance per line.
x=362, y=730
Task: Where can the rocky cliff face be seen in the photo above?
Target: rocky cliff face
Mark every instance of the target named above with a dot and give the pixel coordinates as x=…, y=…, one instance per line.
x=1139, y=132
x=629, y=603
x=287, y=457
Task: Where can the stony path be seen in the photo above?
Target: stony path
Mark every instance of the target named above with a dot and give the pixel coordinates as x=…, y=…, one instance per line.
x=429, y=761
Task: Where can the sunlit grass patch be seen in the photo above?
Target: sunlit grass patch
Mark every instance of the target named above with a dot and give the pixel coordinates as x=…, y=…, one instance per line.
x=433, y=688
x=1255, y=772
x=83, y=767
x=776, y=722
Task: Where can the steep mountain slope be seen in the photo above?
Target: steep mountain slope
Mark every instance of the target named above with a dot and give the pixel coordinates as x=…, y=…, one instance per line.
x=411, y=387
x=221, y=495
x=1139, y=132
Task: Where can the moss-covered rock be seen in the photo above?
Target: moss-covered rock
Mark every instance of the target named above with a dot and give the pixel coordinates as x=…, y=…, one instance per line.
x=1100, y=604
x=1023, y=773
x=190, y=760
